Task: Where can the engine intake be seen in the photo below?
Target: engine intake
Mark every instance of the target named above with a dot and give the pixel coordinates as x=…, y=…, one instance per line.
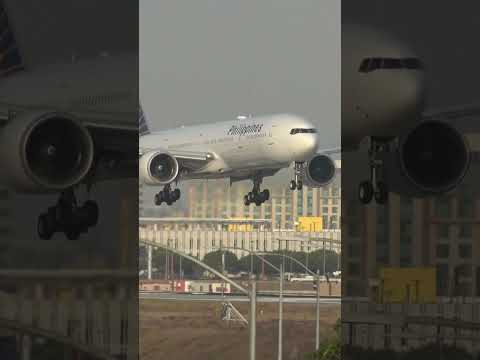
x=49, y=152
x=58, y=152
x=434, y=156
x=319, y=171
x=158, y=168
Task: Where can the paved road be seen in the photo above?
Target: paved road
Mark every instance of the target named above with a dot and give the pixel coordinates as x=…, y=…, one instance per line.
x=235, y=298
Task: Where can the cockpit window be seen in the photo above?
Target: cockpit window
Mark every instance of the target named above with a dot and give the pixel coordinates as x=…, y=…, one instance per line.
x=302, y=131
x=372, y=64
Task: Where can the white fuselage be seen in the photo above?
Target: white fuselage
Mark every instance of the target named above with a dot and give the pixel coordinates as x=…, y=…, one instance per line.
x=99, y=91
x=242, y=147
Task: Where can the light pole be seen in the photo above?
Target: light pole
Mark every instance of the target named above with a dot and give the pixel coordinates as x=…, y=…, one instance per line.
x=253, y=317
x=324, y=264
x=317, y=319
x=149, y=262
x=280, y=316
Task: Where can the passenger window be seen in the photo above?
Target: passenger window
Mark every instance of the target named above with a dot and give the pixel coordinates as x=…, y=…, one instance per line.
x=375, y=64
x=364, y=65
x=389, y=63
x=412, y=63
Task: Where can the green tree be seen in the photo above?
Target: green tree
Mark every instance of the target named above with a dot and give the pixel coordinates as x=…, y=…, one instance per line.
x=330, y=349
x=214, y=260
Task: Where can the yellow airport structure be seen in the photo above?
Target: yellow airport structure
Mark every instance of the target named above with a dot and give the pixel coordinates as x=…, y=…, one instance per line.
x=407, y=285
x=240, y=227
x=310, y=223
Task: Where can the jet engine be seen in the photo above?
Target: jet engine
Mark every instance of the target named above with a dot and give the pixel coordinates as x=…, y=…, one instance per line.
x=44, y=152
x=158, y=168
x=319, y=171
x=434, y=157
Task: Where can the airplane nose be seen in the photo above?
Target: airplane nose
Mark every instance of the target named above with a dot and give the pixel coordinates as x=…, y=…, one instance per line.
x=413, y=92
x=314, y=142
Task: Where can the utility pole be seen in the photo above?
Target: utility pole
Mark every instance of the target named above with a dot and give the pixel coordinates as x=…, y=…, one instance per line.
x=149, y=262
x=324, y=264
x=223, y=271
x=317, y=320
x=308, y=252
x=280, y=316
x=166, y=264
x=253, y=317
x=181, y=269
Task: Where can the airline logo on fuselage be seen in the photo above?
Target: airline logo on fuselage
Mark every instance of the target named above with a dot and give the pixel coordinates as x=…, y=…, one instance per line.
x=245, y=129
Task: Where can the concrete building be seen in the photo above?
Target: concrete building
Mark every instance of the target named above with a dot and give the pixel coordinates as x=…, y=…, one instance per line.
x=200, y=241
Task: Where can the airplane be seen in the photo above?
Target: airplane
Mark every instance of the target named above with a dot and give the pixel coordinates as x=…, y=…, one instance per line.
x=412, y=151
x=65, y=124
x=241, y=149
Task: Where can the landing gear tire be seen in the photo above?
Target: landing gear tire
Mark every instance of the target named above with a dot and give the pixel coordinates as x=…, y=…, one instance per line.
x=381, y=193
x=266, y=194
x=166, y=195
x=73, y=233
x=67, y=217
x=293, y=185
x=176, y=194
x=91, y=208
x=299, y=185
x=365, y=192
x=45, y=226
x=375, y=187
x=256, y=196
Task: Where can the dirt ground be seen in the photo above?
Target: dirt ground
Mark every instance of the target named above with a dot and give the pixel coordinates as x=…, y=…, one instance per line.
x=192, y=330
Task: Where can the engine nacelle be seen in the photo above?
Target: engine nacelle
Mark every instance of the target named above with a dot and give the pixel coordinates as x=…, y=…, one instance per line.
x=319, y=171
x=434, y=156
x=44, y=153
x=158, y=168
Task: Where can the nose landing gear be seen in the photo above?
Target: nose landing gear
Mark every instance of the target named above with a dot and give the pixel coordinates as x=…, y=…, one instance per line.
x=256, y=196
x=67, y=217
x=297, y=183
x=375, y=187
x=167, y=195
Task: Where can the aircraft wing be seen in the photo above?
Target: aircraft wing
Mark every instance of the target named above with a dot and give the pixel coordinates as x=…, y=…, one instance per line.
x=190, y=160
x=330, y=151
x=465, y=118
x=115, y=153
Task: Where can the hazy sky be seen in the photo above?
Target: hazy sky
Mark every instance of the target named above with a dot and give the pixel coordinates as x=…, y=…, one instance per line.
x=211, y=60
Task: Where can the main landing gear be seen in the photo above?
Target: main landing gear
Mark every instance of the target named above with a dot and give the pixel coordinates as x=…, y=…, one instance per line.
x=67, y=217
x=256, y=196
x=167, y=195
x=375, y=187
x=297, y=183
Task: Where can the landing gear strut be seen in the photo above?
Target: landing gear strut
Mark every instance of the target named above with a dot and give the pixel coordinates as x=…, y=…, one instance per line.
x=256, y=196
x=167, y=195
x=67, y=217
x=375, y=187
x=297, y=183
